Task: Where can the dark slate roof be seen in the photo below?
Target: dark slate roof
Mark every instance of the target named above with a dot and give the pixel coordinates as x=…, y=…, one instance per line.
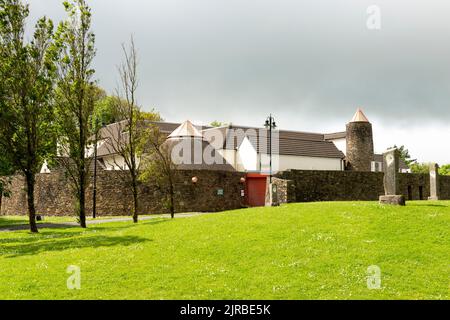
x=295, y=143
x=336, y=135
x=109, y=134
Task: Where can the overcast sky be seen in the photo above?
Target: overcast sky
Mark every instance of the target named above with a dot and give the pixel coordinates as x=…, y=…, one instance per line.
x=309, y=62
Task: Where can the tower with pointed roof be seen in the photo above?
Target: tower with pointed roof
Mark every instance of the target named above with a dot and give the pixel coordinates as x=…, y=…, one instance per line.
x=186, y=130
x=360, y=150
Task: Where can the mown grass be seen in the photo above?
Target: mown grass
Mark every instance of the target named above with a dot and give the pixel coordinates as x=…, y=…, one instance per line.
x=7, y=221
x=296, y=251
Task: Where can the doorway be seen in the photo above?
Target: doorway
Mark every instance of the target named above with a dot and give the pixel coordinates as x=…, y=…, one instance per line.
x=256, y=189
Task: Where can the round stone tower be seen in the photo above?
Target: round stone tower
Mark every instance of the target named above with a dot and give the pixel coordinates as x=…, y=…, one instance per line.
x=360, y=152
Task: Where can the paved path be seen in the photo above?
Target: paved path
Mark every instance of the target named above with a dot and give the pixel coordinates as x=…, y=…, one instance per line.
x=97, y=221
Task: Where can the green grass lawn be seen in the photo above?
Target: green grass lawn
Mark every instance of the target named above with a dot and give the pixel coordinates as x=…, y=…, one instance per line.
x=7, y=221
x=297, y=251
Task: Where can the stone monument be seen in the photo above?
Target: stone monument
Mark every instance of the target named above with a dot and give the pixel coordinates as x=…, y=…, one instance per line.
x=391, y=182
x=271, y=194
x=434, y=182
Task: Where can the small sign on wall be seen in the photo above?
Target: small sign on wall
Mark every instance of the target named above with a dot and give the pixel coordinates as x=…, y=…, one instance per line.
x=220, y=192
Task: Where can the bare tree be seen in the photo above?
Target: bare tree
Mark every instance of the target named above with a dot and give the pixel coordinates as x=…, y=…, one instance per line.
x=124, y=137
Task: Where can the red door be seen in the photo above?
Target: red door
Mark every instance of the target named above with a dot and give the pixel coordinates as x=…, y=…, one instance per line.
x=256, y=190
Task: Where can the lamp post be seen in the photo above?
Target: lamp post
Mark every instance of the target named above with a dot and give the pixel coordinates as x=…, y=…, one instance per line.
x=270, y=125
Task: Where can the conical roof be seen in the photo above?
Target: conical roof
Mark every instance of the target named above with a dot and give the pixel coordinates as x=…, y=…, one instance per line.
x=186, y=130
x=359, y=116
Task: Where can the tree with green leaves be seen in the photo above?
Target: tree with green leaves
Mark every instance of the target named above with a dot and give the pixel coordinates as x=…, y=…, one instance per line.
x=106, y=114
x=420, y=167
x=76, y=96
x=218, y=124
x=6, y=169
x=104, y=110
x=405, y=156
x=26, y=96
x=445, y=170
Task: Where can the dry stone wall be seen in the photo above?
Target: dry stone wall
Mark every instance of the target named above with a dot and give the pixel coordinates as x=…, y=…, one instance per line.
x=214, y=191
x=354, y=186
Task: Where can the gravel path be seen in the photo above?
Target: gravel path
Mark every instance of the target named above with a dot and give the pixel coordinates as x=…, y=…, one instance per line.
x=97, y=221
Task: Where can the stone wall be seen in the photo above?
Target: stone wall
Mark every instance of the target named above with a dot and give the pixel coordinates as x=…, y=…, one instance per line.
x=415, y=186
x=285, y=190
x=445, y=187
x=214, y=191
x=335, y=185
x=353, y=186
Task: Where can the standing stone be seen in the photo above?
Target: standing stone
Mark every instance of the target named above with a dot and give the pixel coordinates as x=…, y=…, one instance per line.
x=392, y=168
x=271, y=194
x=434, y=182
x=391, y=178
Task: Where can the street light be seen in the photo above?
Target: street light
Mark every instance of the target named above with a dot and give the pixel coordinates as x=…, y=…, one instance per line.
x=270, y=125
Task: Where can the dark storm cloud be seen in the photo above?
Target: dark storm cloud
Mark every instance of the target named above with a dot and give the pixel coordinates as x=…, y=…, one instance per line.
x=309, y=62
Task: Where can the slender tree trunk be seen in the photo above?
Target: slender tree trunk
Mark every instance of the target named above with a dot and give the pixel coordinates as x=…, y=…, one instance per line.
x=135, y=210
x=135, y=201
x=30, y=199
x=172, y=205
x=82, y=182
x=82, y=165
x=82, y=198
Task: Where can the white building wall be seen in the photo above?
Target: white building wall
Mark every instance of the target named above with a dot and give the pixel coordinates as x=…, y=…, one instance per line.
x=285, y=162
x=246, y=157
x=246, y=162
x=230, y=156
x=116, y=162
x=341, y=144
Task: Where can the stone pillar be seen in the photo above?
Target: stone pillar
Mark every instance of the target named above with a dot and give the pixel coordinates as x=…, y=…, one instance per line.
x=434, y=182
x=271, y=194
x=391, y=180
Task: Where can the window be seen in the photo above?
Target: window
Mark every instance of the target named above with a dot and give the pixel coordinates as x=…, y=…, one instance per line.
x=377, y=166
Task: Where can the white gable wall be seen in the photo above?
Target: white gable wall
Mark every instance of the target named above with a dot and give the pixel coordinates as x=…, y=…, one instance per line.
x=341, y=144
x=229, y=156
x=247, y=157
x=116, y=162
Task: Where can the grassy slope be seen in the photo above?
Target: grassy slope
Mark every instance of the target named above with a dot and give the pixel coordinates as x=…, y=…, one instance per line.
x=298, y=251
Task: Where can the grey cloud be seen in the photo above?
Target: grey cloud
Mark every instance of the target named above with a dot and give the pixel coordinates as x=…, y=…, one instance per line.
x=309, y=62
